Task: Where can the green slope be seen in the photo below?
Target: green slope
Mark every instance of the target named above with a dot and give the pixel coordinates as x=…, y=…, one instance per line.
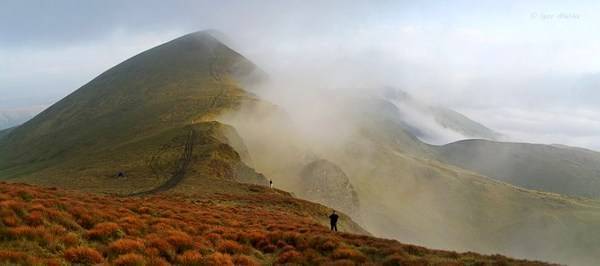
x=5, y=132
x=559, y=169
x=121, y=119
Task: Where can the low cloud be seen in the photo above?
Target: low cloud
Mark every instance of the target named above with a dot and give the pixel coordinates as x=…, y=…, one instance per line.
x=482, y=60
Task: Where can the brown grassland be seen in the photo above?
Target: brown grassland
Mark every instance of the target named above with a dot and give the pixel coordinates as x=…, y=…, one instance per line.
x=49, y=226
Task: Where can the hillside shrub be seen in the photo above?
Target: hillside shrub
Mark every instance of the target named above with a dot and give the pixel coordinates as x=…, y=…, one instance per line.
x=180, y=241
x=70, y=239
x=104, y=231
x=83, y=256
x=130, y=259
x=189, y=258
x=218, y=258
x=228, y=246
x=291, y=256
x=123, y=246
x=349, y=254
x=243, y=260
x=395, y=259
x=7, y=257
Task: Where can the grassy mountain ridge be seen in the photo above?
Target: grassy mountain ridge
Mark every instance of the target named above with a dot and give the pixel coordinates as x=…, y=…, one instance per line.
x=5, y=132
x=158, y=86
x=150, y=162
x=553, y=168
x=432, y=123
x=460, y=123
x=120, y=119
x=14, y=117
x=568, y=171
x=476, y=212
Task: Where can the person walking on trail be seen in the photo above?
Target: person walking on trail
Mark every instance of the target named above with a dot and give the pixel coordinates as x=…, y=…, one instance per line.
x=270, y=183
x=333, y=218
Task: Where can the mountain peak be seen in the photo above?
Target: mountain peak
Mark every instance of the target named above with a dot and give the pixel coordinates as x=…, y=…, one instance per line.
x=166, y=86
x=201, y=37
x=199, y=43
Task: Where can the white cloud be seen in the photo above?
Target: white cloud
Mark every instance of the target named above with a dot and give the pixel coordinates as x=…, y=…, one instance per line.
x=491, y=60
x=44, y=75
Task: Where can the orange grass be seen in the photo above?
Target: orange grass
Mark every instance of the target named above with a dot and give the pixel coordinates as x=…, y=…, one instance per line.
x=42, y=226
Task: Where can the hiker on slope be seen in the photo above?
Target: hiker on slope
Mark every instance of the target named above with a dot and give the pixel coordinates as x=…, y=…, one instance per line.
x=333, y=218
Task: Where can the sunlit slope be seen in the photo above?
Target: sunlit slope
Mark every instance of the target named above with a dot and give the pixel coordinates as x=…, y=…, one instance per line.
x=152, y=163
x=559, y=169
x=121, y=120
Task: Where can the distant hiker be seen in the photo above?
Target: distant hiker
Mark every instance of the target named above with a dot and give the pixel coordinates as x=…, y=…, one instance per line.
x=271, y=183
x=333, y=219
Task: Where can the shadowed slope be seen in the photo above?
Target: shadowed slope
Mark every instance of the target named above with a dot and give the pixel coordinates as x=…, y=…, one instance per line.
x=559, y=169
x=5, y=132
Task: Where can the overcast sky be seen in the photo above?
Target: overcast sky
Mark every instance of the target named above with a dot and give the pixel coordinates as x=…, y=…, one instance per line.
x=528, y=69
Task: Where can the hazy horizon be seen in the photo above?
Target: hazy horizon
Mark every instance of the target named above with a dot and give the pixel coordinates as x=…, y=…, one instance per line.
x=524, y=69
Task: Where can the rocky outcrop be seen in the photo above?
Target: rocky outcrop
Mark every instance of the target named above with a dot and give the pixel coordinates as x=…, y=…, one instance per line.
x=324, y=182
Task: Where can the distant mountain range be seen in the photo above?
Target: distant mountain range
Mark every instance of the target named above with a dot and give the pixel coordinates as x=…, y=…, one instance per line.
x=177, y=119
x=436, y=124
x=554, y=168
